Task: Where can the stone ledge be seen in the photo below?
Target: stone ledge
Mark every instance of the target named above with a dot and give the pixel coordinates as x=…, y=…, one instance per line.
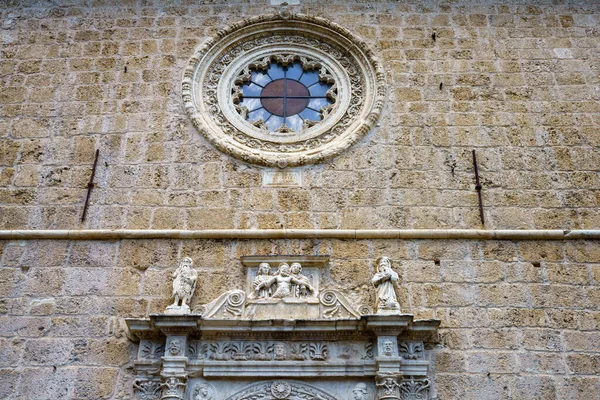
x=245, y=234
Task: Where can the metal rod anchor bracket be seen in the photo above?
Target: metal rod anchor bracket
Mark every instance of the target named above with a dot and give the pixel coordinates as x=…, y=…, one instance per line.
x=90, y=185
x=478, y=188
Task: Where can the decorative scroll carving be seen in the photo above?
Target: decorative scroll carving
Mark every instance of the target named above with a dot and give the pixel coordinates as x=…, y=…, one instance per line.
x=184, y=284
x=335, y=305
x=282, y=389
x=414, y=389
x=259, y=351
x=411, y=350
x=147, y=389
x=227, y=306
x=151, y=350
x=365, y=310
x=368, y=351
x=384, y=281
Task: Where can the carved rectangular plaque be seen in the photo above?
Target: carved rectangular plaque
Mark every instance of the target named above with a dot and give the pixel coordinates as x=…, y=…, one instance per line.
x=278, y=178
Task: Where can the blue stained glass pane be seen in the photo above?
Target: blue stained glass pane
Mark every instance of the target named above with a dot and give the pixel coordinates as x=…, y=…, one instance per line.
x=260, y=77
x=251, y=90
x=319, y=89
x=318, y=103
x=274, y=122
x=294, y=122
x=309, y=78
x=258, y=114
x=250, y=104
x=294, y=71
x=310, y=114
x=275, y=71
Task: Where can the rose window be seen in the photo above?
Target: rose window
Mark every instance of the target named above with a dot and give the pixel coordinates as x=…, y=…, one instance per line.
x=283, y=90
x=284, y=94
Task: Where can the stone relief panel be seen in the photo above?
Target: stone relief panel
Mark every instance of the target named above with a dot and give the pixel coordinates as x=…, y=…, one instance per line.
x=411, y=350
x=279, y=351
x=151, y=350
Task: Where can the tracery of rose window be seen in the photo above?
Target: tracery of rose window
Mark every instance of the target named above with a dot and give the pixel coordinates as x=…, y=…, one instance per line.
x=284, y=94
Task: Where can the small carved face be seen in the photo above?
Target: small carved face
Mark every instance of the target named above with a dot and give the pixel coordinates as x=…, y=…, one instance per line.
x=384, y=264
x=284, y=270
x=279, y=349
x=264, y=269
x=296, y=268
x=175, y=347
x=201, y=392
x=388, y=348
x=360, y=392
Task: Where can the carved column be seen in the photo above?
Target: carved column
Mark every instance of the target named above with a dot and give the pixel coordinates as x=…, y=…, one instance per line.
x=174, y=368
x=388, y=367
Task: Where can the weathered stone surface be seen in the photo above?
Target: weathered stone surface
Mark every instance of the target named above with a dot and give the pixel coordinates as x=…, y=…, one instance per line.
x=514, y=80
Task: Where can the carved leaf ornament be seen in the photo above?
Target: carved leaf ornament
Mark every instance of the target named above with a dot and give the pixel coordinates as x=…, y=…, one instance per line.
x=282, y=91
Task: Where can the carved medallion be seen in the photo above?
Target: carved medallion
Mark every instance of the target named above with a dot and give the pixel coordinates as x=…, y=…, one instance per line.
x=281, y=389
x=284, y=90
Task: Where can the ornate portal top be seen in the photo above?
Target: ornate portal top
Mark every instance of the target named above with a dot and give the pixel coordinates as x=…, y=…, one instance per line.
x=284, y=325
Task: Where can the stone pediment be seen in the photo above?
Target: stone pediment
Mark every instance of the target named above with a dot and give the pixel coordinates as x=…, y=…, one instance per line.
x=281, y=287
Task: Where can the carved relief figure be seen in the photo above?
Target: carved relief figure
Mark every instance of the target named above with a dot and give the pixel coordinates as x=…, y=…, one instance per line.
x=184, y=283
x=263, y=275
x=301, y=289
x=360, y=392
x=202, y=392
x=384, y=281
x=284, y=282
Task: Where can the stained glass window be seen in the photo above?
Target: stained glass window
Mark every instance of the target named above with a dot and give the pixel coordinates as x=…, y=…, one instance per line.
x=285, y=98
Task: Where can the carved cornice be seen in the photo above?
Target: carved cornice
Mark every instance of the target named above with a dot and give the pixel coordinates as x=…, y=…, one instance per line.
x=367, y=327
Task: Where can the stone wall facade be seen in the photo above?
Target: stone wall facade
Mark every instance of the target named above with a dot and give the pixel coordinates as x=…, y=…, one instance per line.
x=518, y=81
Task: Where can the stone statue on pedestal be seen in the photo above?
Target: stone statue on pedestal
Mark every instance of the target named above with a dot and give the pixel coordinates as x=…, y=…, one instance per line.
x=184, y=284
x=384, y=281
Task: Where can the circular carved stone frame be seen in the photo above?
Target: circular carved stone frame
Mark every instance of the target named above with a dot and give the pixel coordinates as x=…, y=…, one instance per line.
x=210, y=92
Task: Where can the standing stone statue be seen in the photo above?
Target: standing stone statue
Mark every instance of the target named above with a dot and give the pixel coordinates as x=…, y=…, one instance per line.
x=384, y=281
x=184, y=284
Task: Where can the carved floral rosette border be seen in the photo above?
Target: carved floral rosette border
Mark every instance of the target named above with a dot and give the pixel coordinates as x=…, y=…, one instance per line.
x=207, y=96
